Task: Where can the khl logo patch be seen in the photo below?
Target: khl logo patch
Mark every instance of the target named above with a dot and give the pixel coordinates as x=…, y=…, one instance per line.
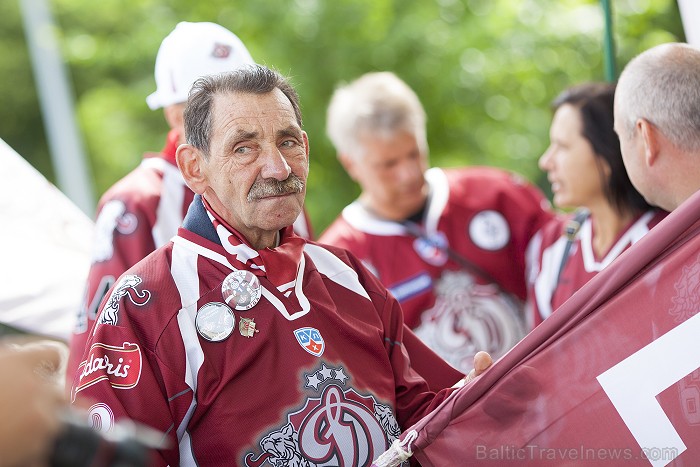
x=310, y=339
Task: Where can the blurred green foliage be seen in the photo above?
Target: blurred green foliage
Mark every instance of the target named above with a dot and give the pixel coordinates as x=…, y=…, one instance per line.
x=485, y=71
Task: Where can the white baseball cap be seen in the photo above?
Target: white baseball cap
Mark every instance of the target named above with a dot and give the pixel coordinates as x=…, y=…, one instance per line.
x=190, y=51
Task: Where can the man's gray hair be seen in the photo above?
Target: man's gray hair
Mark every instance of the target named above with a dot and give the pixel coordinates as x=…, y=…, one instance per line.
x=252, y=79
x=662, y=86
x=375, y=105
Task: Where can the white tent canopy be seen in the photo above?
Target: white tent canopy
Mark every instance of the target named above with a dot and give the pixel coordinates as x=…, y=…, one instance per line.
x=45, y=244
x=690, y=15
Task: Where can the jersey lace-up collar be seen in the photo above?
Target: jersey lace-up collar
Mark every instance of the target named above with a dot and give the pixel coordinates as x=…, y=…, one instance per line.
x=279, y=265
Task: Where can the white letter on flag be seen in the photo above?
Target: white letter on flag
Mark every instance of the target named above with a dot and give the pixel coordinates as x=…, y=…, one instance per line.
x=633, y=384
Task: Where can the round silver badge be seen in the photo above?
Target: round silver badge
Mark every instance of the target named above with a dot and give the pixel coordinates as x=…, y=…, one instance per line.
x=241, y=289
x=215, y=321
x=489, y=230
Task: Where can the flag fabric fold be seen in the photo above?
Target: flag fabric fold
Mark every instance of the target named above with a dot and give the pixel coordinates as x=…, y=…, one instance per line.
x=611, y=378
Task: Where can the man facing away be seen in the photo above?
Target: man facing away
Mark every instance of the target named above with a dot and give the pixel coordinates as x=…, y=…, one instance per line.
x=657, y=120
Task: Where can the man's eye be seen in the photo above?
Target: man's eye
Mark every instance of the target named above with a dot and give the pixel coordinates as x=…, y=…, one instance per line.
x=290, y=143
x=241, y=150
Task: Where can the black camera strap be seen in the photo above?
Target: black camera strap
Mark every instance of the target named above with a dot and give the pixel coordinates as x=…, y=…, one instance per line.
x=570, y=231
x=419, y=232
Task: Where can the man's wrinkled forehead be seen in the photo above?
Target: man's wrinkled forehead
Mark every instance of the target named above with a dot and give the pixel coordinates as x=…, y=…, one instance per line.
x=242, y=108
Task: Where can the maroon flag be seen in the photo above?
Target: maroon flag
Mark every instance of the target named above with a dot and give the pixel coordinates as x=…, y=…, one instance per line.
x=611, y=378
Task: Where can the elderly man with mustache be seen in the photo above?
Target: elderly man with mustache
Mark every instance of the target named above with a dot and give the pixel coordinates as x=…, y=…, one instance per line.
x=144, y=209
x=241, y=341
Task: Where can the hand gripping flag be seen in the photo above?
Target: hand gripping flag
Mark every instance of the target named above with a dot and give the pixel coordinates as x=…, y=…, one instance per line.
x=611, y=378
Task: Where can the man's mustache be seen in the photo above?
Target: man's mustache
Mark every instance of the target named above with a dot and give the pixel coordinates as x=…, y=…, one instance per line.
x=272, y=187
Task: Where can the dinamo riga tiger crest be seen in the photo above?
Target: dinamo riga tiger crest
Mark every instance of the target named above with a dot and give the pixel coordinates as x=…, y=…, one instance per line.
x=469, y=317
x=340, y=427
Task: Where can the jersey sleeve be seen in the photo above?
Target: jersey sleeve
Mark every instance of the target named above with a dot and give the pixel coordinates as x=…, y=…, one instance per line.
x=527, y=211
x=414, y=399
x=413, y=394
x=122, y=238
x=434, y=369
x=121, y=377
x=540, y=268
x=342, y=235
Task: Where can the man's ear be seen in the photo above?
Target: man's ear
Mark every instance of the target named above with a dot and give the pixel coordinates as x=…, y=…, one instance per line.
x=190, y=161
x=651, y=139
x=305, y=137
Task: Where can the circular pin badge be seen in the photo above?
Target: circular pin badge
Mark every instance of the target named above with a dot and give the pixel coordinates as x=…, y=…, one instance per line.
x=241, y=289
x=489, y=230
x=215, y=321
x=433, y=249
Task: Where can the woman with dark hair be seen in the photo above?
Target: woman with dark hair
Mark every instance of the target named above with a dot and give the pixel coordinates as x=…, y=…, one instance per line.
x=584, y=165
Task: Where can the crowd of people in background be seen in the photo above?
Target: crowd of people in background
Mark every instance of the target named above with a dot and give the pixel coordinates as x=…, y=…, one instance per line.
x=428, y=264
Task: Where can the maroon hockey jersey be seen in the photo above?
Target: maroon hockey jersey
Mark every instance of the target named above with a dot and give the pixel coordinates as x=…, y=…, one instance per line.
x=481, y=216
x=314, y=373
x=140, y=213
x=612, y=378
x=547, y=287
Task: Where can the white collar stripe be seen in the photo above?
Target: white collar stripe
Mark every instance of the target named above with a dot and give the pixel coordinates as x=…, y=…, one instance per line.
x=631, y=236
x=184, y=273
x=221, y=259
x=336, y=270
x=439, y=194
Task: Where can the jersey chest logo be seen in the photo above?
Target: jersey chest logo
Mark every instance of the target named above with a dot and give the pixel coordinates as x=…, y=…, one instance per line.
x=310, y=340
x=340, y=427
x=468, y=317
